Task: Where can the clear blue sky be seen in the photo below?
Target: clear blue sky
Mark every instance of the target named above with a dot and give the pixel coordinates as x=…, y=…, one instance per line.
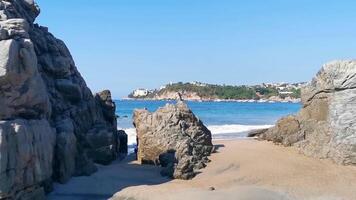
x=127, y=44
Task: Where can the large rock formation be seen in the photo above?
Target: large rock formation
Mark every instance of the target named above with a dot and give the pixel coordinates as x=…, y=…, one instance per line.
x=326, y=125
x=51, y=125
x=174, y=138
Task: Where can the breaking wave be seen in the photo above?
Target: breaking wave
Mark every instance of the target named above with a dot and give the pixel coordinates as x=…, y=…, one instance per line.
x=227, y=131
x=235, y=128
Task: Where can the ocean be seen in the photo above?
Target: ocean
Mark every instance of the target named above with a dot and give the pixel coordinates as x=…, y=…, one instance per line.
x=226, y=120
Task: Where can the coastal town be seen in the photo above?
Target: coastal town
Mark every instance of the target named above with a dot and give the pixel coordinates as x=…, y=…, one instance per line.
x=198, y=91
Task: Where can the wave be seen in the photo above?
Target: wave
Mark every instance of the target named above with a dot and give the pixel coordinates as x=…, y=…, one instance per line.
x=131, y=136
x=235, y=128
x=227, y=131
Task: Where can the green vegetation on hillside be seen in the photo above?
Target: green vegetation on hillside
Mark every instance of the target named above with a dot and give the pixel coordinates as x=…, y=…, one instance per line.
x=210, y=91
x=228, y=91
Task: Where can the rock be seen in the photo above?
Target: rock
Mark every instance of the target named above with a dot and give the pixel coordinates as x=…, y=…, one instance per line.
x=108, y=106
x=326, y=125
x=103, y=145
x=26, y=154
x=123, y=148
x=66, y=149
x=69, y=90
x=52, y=126
x=174, y=138
x=21, y=82
x=211, y=188
x=14, y=27
x=285, y=132
x=256, y=133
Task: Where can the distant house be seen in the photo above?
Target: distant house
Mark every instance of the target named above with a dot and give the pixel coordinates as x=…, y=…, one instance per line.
x=198, y=83
x=285, y=92
x=140, y=92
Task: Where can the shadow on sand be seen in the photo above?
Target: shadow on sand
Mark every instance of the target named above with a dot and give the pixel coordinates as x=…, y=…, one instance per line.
x=108, y=181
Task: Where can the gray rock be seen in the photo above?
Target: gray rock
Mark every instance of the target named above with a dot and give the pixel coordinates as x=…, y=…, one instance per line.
x=103, y=145
x=26, y=154
x=326, y=125
x=23, y=91
x=108, y=106
x=256, y=133
x=66, y=150
x=123, y=148
x=14, y=27
x=53, y=123
x=172, y=137
x=69, y=90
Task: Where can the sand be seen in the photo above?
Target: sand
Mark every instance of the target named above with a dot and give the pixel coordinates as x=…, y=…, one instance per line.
x=241, y=169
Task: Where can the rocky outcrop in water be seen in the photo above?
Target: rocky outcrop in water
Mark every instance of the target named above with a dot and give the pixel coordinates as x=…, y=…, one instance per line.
x=51, y=125
x=326, y=125
x=174, y=138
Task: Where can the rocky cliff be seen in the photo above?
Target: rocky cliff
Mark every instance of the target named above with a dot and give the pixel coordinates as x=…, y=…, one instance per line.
x=174, y=138
x=172, y=95
x=51, y=125
x=326, y=125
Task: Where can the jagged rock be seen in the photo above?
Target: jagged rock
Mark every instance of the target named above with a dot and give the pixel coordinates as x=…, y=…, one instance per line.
x=285, y=132
x=103, y=145
x=69, y=90
x=26, y=153
x=326, y=125
x=123, y=148
x=23, y=93
x=14, y=27
x=108, y=106
x=172, y=137
x=256, y=133
x=66, y=149
x=55, y=125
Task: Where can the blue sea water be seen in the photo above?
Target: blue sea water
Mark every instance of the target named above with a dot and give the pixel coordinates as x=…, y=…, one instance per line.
x=226, y=120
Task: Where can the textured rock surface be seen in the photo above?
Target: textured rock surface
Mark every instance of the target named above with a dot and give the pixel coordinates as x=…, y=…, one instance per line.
x=326, y=125
x=174, y=138
x=26, y=154
x=285, y=132
x=52, y=127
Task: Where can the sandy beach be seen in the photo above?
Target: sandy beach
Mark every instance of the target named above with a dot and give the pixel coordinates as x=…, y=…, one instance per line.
x=243, y=169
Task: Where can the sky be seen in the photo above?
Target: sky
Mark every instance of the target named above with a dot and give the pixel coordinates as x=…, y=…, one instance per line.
x=122, y=45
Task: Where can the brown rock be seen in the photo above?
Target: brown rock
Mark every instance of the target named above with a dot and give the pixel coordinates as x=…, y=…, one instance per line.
x=326, y=125
x=174, y=138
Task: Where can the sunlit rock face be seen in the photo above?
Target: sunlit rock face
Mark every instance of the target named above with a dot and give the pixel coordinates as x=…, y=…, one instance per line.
x=51, y=125
x=174, y=138
x=326, y=125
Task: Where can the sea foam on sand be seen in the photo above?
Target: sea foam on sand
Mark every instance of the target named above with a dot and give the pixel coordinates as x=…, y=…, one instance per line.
x=227, y=131
x=235, y=128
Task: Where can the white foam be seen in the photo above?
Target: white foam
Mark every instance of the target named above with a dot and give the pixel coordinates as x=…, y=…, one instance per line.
x=235, y=128
x=215, y=130
x=131, y=136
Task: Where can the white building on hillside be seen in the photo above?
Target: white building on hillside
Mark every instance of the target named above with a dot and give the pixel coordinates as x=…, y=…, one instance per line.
x=285, y=92
x=140, y=92
x=198, y=83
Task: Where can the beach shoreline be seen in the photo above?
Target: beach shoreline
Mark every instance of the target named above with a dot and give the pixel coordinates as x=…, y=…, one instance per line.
x=244, y=168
